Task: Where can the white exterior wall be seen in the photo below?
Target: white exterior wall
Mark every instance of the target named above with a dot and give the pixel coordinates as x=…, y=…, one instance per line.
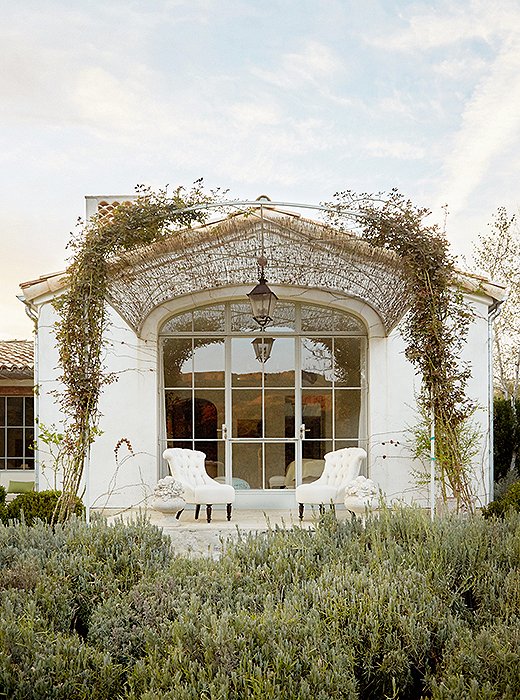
x=130, y=409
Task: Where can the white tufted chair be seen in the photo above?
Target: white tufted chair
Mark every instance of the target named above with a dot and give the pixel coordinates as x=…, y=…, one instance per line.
x=187, y=466
x=341, y=467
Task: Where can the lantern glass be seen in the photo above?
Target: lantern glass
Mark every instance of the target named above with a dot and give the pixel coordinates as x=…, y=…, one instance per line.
x=262, y=347
x=263, y=302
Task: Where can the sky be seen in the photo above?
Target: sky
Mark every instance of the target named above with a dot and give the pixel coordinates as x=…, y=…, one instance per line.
x=295, y=99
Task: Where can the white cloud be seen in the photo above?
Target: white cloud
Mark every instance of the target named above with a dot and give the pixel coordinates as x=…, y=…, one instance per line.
x=490, y=125
x=394, y=149
x=314, y=64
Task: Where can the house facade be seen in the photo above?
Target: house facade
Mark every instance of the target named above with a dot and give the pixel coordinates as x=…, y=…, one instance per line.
x=195, y=370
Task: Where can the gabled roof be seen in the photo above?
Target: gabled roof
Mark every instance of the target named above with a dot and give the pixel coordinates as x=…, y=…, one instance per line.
x=16, y=359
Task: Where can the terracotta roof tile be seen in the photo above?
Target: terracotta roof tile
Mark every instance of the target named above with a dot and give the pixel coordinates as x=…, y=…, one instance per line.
x=16, y=359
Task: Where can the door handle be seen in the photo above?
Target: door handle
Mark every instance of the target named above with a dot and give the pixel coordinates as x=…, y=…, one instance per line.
x=224, y=431
x=302, y=431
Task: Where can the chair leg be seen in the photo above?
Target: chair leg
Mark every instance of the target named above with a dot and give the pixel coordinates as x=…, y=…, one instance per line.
x=179, y=514
x=229, y=507
x=301, y=508
x=197, y=511
x=208, y=513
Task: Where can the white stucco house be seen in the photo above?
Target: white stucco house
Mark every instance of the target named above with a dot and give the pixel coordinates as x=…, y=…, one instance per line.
x=181, y=343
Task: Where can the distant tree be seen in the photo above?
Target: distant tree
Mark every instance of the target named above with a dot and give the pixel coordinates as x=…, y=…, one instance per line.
x=497, y=254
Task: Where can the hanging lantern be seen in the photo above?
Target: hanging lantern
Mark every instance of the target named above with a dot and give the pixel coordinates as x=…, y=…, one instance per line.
x=263, y=302
x=262, y=347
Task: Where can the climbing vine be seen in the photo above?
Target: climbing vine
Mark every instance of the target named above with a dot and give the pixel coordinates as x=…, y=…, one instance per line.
x=82, y=311
x=435, y=327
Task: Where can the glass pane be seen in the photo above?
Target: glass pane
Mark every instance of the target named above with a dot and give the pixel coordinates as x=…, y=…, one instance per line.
x=340, y=444
x=279, y=413
x=317, y=318
x=313, y=461
x=317, y=414
x=14, y=464
x=178, y=410
x=247, y=464
x=347, y=405
x=210, y=318
x=347, y=361
x=209, y=362
x=178, y=324
x=347, y=323
x=2, y=442
x=215, y=458
x=247, y=370
x=14, y=410
x=284, y=318
x=2, y=410
x=15, y=442
x=209, y=413
x=183, y=444
x=177, y=361
x=29, y=440
x=317, y=362
x=29, y=410
x=279, y=368
x=247, y=413
x=241, y=318
x=279, y=457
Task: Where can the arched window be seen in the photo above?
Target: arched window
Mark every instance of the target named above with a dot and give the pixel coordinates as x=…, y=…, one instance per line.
x=264, y=425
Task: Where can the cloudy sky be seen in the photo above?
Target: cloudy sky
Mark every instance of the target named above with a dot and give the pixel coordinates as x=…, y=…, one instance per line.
x=293, y=98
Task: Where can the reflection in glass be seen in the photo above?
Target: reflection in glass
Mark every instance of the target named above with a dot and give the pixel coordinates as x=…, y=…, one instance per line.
x=313, y=458
x=178, y=324
x=347, y=405
x=346, y=323
x=317, y=414
x=15, y=410
x=247, y=413
x=177, y=362
x=243, y=322
x=179, y=413
x=284, y=318
x=15, y=442
x=246, y=369
x=347, y=361
x=279, y=413
x=209, y=362
x=317, y=362
x=215, y=457
x=279, y=460
x=208, y=413
x=29, y=445
x=210, y=318
x=247, y=463
x=29, y=410
x=317, y=318
x=279, y=369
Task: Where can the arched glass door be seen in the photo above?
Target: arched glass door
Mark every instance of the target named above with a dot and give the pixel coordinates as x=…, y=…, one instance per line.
x=264, y=425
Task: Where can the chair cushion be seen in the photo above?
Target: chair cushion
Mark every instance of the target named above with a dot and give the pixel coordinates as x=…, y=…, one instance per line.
x=317, y=493
x=20, y=487
x=212, y=493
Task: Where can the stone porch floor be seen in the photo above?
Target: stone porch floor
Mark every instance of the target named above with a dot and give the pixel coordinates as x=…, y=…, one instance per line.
x=198, y=538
